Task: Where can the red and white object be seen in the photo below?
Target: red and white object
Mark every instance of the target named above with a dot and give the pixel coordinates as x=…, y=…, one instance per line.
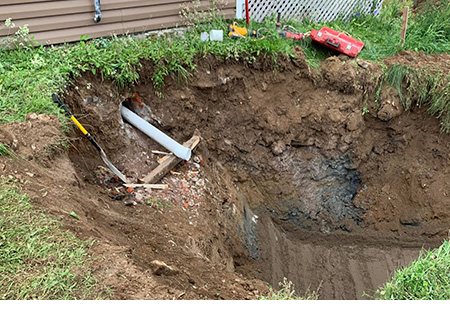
x=337, y=41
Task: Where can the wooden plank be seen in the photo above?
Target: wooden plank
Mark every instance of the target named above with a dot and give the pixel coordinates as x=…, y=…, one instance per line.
x=167, y=156
x=164, y=167
x=404, y=25
x=147, y=185
x=161, y=152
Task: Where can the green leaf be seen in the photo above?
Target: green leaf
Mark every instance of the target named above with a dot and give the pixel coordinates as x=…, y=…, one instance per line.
x=73, y=214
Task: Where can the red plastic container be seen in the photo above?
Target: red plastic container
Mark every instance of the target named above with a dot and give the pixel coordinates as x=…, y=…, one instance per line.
x=337, y=41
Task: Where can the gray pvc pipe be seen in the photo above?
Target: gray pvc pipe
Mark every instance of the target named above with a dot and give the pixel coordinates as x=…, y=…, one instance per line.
x=160, y=137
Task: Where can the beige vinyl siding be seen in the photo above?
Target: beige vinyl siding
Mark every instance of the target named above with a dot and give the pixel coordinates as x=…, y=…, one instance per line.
x=54, y=22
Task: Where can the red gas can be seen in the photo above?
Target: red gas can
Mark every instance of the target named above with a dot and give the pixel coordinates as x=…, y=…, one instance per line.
x=337, y=41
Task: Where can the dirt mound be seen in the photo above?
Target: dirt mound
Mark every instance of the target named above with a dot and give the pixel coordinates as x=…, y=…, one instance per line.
x=290, y=180
x=413, y=59
x=33, y=139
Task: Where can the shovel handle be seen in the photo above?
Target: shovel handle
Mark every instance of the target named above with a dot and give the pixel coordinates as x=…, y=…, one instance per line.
x=61, y=105
x=74, y=120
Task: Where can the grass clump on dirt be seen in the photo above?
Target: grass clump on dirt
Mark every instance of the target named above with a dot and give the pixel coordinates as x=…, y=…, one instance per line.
x=287, y=292
x=427, y=278
x=4, y=151
x=37, y=259
x=421, y=86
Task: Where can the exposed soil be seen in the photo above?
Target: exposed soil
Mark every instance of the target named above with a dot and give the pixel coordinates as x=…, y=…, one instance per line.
x=289, y=180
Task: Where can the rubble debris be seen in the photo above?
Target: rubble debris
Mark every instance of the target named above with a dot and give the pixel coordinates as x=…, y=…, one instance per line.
x=362, y=63
x=184, y=188
x=390, y=105
x=137, y=105
x=159, y=268
x=278, y=148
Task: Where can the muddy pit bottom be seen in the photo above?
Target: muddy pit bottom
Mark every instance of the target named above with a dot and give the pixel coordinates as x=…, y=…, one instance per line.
x=338, y=267
x=315, y=236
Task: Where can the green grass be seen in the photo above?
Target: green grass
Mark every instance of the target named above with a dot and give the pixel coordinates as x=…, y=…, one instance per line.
x=4, y=151
x=37, y=259
x=287, y=292
x=428, y=31
x=428, y=278
x=158, y=204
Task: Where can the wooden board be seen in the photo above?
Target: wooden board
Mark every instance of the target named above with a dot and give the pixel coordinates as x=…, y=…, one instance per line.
x=169, y=162
x=147, y=185
x=404, y=25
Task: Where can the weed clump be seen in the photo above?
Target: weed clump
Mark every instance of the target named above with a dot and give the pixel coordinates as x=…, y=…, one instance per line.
x=427, y=278
x=287, y=292
x=4, y=151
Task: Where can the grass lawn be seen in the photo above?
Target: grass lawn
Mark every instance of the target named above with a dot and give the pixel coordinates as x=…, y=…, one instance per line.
x=38, y=260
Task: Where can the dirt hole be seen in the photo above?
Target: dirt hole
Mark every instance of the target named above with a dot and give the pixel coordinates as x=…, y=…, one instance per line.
x=289, y=180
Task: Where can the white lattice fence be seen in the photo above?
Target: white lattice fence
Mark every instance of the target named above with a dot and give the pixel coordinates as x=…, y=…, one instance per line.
x=319, y=10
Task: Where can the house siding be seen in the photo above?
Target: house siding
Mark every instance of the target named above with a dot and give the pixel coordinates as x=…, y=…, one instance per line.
x=52, y=22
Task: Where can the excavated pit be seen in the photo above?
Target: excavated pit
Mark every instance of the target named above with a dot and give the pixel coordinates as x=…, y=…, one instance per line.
x=289, y=180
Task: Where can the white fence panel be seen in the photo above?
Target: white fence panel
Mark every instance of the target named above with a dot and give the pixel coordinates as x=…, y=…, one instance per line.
x=316, y=10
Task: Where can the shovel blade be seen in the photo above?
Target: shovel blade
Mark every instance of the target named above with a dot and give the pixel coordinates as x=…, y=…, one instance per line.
x=113, y=168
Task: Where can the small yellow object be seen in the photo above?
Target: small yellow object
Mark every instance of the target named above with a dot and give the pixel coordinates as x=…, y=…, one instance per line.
x=240, y=32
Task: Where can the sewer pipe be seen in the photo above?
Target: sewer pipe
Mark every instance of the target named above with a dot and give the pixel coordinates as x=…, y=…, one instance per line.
x=160, y=137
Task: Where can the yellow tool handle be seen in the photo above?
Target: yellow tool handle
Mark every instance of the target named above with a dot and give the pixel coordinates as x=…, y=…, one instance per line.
x=78, y=125
x=72, y=117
